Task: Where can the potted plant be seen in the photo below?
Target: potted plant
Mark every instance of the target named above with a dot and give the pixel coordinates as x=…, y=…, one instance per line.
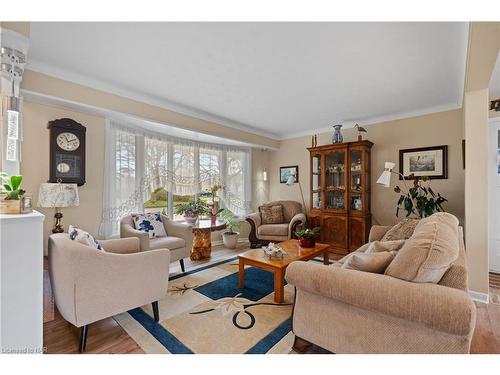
x=191, y=210
x=11, y=194
x=230, y=237
x=420, y=200
x=307, y=237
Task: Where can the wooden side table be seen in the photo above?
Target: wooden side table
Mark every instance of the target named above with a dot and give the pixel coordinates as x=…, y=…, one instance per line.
x=202, y=241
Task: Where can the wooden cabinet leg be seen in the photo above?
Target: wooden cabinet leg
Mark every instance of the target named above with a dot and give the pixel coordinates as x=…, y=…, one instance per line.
x=279, y=290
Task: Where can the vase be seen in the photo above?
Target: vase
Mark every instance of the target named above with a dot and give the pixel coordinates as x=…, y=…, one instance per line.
x=337, y=134
x=307, y=242
x=190, y=219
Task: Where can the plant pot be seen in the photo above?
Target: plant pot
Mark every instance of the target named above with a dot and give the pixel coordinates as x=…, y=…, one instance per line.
x=307, y=242
x=230, y=240
x=190, y=219
x=9, y=206
x=213, y=219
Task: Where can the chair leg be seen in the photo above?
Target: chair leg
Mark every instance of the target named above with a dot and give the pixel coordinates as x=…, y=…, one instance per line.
x=300, y=345
x=83, y=338
x=182, y=265
x=156, y=313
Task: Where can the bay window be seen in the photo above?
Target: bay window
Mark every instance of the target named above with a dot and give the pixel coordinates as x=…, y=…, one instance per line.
x=149, y=171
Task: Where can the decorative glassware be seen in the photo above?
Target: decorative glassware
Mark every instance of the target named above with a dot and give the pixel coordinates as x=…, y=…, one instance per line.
x=337, y=134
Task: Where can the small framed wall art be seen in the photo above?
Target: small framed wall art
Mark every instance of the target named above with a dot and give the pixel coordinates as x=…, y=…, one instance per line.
x=431, y=162
x=286, y=172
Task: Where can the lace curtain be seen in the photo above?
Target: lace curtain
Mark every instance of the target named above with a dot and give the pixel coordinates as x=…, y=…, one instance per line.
x=140, y=161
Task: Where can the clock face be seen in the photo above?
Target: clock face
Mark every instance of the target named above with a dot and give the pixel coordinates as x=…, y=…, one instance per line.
x=68, y=141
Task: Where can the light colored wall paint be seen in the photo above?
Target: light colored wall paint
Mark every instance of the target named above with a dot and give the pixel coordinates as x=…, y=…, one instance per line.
x=58, y=88
x=35, y=164
x=443, y=128
x=476, y=188
x=35, y=167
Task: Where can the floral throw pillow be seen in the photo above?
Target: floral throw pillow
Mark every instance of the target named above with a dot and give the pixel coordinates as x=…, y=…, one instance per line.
x=271, y=214
x=150, y=223
x=83, y=237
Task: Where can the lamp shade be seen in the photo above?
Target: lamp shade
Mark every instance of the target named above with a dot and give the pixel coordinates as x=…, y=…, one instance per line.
x=58, y=195
x=385, y=177
x=291, y=180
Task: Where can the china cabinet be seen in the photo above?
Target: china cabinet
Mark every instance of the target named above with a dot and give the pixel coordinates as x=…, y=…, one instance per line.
x=340, y=194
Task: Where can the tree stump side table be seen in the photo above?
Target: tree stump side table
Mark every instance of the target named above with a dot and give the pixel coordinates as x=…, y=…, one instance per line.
x=202, y=241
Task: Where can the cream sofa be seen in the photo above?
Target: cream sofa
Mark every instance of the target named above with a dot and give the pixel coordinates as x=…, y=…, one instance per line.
x=349, y=311
x=179, y=239
x=262, y=234
x=90, y=285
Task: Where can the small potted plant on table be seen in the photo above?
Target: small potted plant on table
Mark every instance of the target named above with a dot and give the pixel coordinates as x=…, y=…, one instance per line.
x=191, y=210
x=11, y=194
x=230, y=237
x=307, y=237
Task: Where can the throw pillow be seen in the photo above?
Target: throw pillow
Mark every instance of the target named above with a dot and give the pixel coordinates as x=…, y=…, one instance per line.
x=427, y=255
x=379, y=246
x=83, y=237
x=371, y=262
x=150, y=223
x=401, y=231
x=271, y=214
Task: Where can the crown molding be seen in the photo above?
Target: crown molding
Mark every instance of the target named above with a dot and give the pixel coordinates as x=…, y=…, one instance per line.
x=376, y=120
x=57, y=72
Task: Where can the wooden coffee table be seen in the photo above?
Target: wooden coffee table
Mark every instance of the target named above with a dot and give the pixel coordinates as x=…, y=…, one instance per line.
x=258, y=259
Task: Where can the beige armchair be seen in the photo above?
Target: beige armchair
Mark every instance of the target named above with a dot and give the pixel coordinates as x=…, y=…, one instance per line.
x=179, y=239
x=90, y=285
x=262, y=234
x=350, y=311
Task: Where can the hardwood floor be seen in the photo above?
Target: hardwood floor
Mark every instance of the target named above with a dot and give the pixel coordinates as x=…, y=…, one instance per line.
x=106, y=336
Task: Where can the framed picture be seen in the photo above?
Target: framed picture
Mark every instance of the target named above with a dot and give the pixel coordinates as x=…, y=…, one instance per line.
x=286, y=172
x=431, y=162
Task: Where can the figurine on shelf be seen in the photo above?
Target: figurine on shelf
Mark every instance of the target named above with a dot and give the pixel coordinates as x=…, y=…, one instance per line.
x=360, y=130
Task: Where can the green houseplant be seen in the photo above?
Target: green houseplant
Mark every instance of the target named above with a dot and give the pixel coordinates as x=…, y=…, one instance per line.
x=307, y=237
x=420, y=200
x=191, y=210
x=11, y=194
x=230, y=237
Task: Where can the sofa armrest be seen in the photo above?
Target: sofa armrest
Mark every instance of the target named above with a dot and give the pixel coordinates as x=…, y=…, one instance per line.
x=106, y=284
x=126, y=230
x=126, y=245
x=377, y=232
x=179, y=229
x=434, y=306
x=298, y=220
x=255, y=217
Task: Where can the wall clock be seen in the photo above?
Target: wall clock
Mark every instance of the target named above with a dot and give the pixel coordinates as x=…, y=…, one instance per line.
x=67, y=151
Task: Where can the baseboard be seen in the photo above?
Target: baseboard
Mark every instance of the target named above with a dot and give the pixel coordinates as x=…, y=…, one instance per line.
x=479, y=297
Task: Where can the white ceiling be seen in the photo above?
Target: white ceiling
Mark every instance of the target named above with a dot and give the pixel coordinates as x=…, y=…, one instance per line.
x=276, y=79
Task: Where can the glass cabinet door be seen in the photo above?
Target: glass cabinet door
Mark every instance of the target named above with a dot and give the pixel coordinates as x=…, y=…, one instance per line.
x=316, y=181
x=335, y=180
x=356, y=180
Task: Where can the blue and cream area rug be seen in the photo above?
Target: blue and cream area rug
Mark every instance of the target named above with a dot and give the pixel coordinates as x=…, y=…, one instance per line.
x=205, y=312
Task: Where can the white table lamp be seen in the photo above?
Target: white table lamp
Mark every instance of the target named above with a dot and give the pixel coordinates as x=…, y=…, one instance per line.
x=58, y=195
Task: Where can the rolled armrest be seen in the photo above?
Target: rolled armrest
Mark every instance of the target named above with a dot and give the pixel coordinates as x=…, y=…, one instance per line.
x=126, y=230
x=178, y=229
x=122, y=245
x=377, y=232
x=298, y=219
x=435, y=306
x=255, y=217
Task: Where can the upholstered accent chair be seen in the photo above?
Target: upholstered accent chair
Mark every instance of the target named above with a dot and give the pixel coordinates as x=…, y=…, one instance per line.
x=262, y=234
x=90, y=285
x=350, y=311
x=179, y=239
